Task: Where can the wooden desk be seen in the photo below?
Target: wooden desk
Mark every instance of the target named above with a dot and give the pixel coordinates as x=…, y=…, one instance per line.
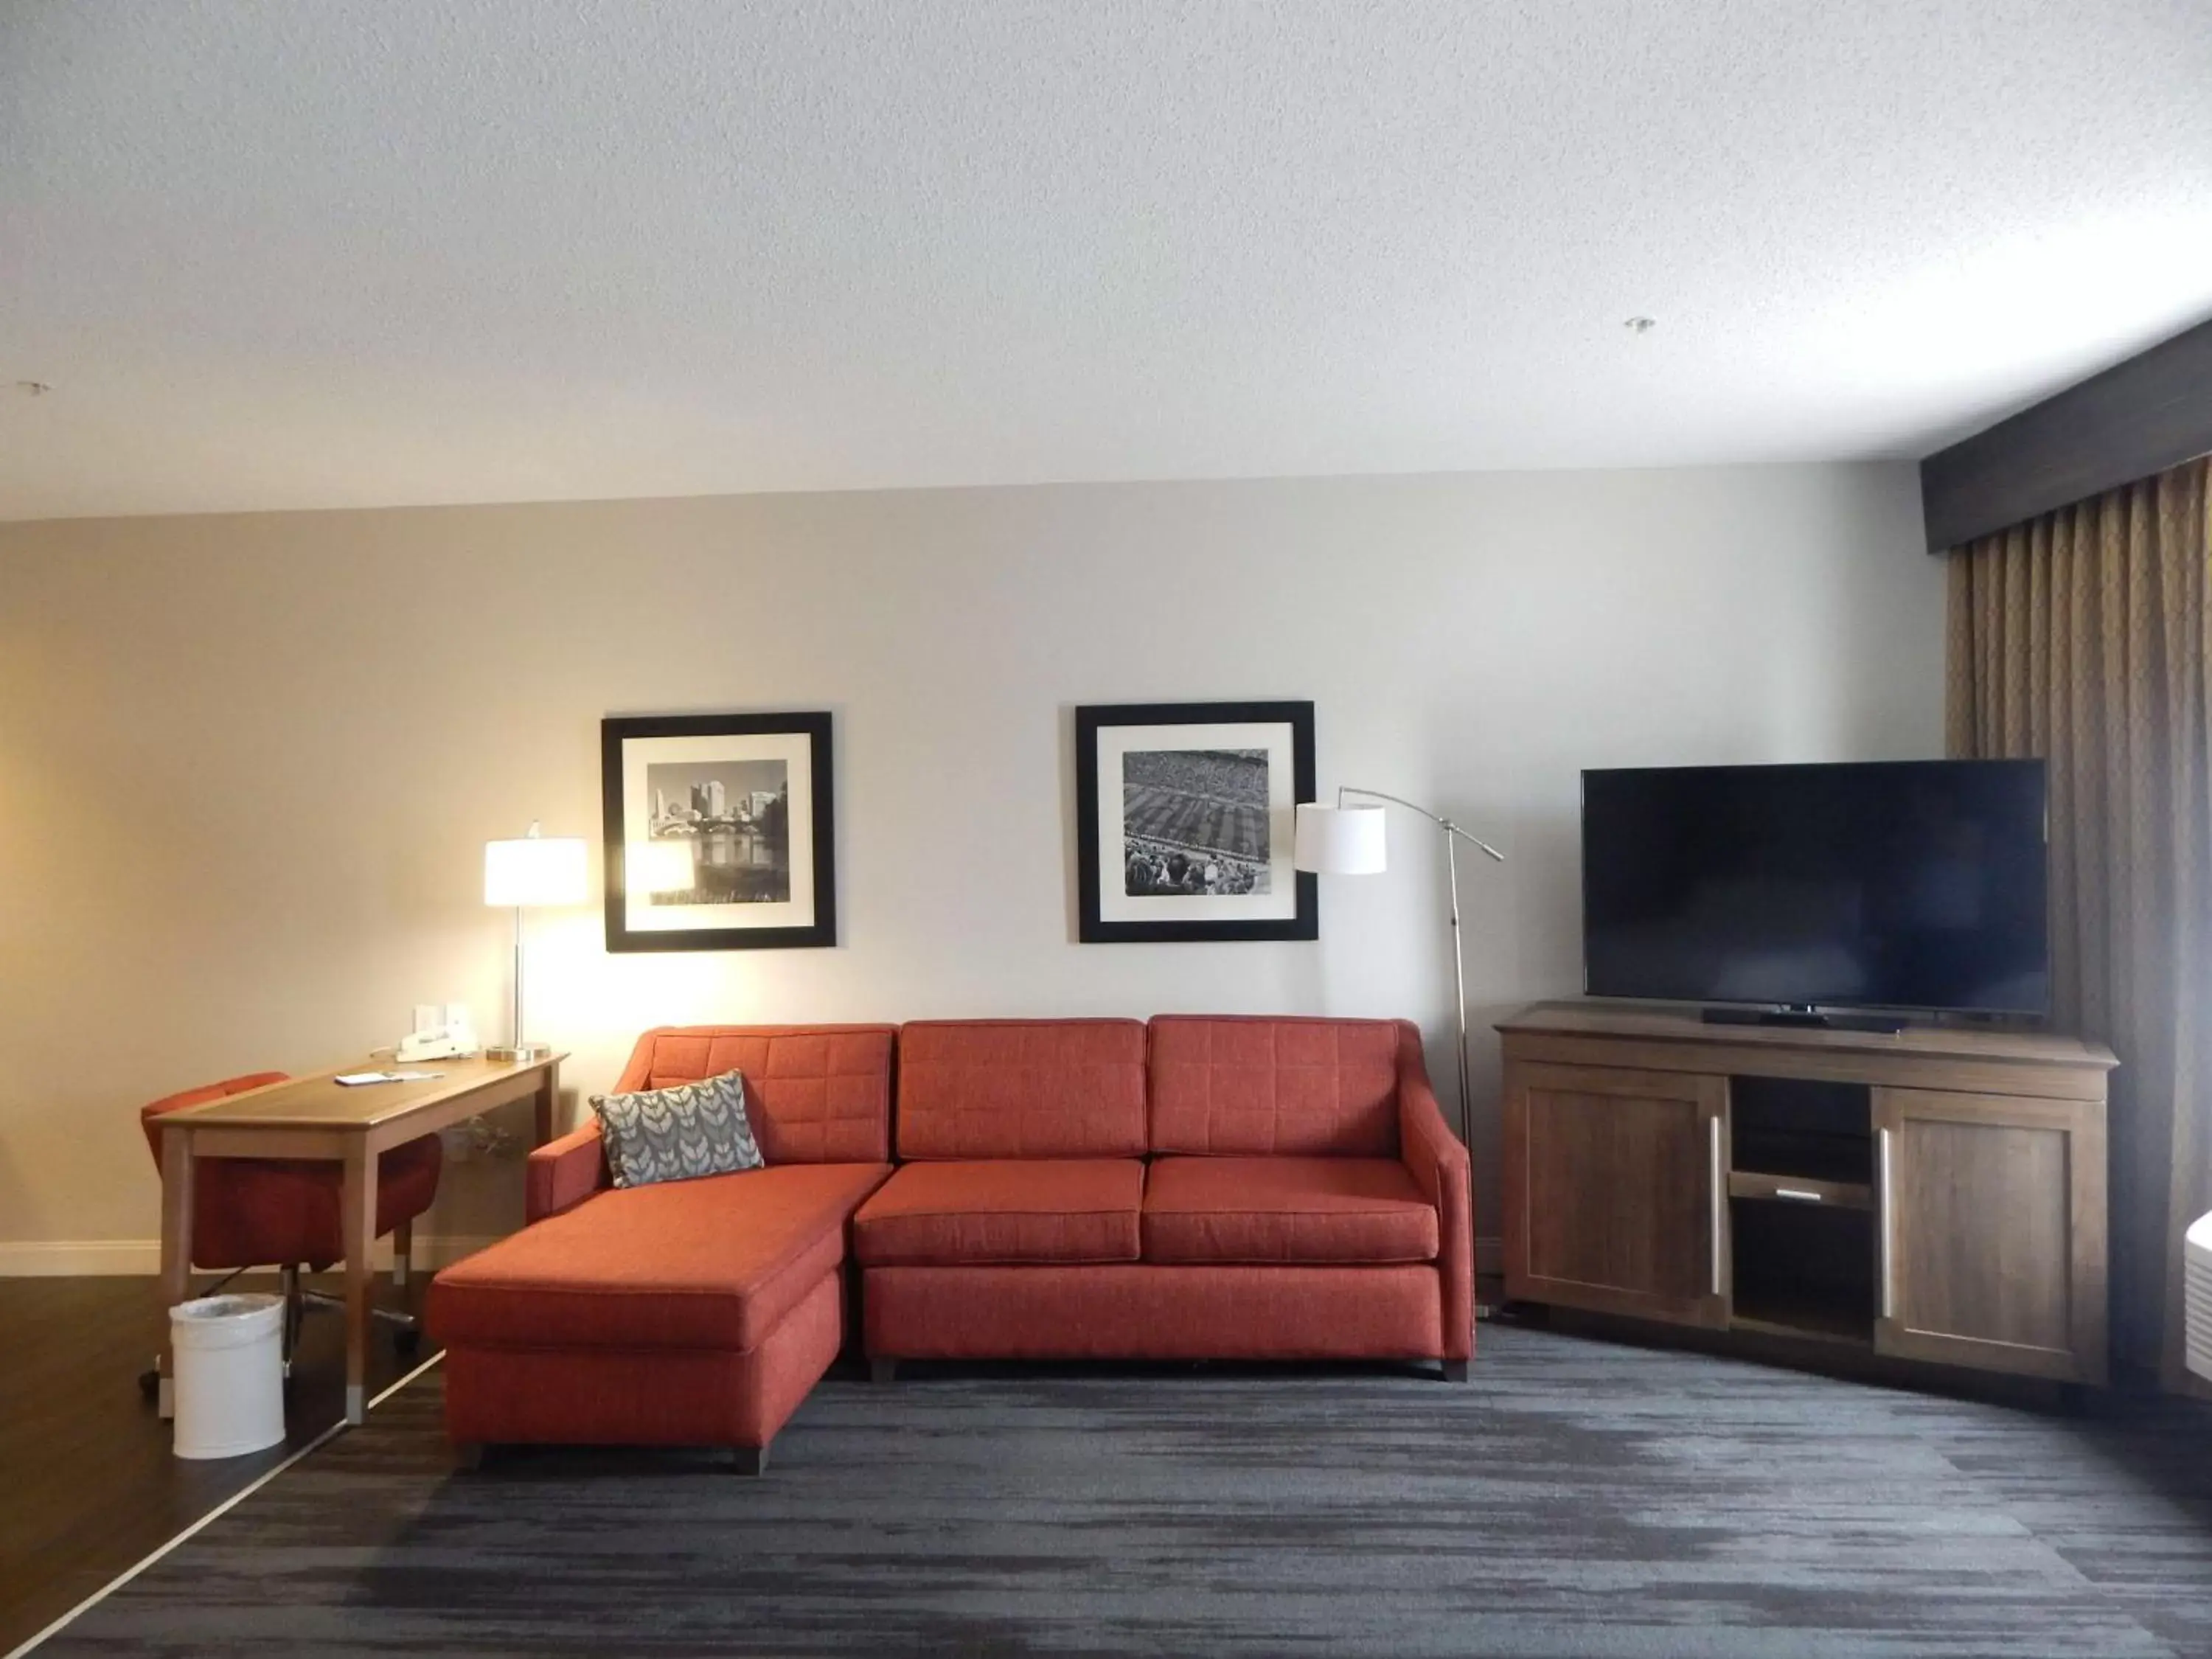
x=314, y=1117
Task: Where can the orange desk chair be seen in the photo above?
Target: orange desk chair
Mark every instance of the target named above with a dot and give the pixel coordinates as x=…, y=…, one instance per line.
x=257, y=1213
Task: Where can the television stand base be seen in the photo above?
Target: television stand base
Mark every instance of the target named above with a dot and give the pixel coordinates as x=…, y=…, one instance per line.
x=1807, y=1018
x=1935, y=1197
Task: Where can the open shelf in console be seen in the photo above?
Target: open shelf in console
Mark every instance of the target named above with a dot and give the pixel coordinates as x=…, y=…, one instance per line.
x=1802, y=1270
x=1801, y=1208
x=1822, y=1131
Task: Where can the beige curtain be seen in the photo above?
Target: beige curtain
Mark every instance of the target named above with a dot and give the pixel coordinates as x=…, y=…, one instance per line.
x=2085, y=636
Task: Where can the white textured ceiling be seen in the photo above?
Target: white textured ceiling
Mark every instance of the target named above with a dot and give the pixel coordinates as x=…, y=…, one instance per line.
x=270, y=253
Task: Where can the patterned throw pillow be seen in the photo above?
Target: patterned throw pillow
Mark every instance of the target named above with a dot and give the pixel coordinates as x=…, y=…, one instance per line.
x=678, y=1134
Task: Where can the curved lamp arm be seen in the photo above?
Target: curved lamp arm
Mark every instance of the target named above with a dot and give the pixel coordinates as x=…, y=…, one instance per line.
x=1459, y=953
x=1442, y=822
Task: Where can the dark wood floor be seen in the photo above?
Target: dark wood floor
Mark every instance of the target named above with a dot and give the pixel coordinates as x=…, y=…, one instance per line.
x=88, y=1485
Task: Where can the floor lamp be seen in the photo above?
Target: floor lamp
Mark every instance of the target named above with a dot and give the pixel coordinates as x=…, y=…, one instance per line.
x=1348, y=841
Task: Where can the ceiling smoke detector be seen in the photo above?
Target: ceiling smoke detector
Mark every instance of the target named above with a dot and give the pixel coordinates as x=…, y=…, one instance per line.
x=1641, y=324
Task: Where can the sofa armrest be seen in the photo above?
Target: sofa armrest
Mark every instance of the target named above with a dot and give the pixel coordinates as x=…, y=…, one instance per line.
x=1441, y=1169
x=561, y=1174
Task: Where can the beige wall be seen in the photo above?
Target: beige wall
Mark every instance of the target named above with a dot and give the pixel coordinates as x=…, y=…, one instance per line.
x=246, y=763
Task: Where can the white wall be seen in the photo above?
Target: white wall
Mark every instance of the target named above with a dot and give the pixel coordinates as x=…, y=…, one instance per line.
x=246, y=763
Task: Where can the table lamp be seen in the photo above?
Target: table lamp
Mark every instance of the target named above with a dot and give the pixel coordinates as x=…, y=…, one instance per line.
x=533, y=871
x=1348, y=841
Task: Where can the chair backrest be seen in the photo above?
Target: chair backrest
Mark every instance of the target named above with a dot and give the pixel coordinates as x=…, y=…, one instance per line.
x=1021, y=1088
x=1252, y=1085
x=814, y=1094
x=149, y=1116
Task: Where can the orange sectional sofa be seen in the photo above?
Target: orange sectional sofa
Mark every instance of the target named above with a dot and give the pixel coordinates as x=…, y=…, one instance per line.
x=1192, y=1188
x=688, y=1313
x=1188, y=1188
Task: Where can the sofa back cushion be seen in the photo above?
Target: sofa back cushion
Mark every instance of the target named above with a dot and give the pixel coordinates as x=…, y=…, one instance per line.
x=814, y=1094
x=1021, y=1088
x=1247, y=1087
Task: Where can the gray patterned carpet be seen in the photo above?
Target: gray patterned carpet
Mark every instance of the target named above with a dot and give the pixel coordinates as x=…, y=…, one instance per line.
x=1577, y=1498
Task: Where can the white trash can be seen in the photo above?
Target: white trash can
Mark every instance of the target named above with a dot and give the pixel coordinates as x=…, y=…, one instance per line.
x=229, y=1374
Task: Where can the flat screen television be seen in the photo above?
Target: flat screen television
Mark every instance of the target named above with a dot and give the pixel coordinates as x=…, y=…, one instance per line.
x=1918, y=884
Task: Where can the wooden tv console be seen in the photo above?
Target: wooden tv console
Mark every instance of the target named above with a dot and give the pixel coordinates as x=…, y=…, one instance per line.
x=1935, y=1194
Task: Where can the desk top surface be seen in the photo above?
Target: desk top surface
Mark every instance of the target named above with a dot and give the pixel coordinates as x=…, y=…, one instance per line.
x=321, y=1101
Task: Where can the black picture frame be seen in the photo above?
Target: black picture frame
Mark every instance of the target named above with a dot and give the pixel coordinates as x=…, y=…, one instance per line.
x=617, y=732
x=1093, y=927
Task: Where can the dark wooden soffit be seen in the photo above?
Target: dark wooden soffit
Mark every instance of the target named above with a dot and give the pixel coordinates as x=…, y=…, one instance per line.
x=2138, y=417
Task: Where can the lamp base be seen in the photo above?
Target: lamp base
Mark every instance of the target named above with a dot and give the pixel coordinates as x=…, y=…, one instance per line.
x=519, y=1053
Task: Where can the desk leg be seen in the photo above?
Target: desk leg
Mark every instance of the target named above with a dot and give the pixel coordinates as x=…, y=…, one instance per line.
x=359, y=1223
x=549, y=1091
x=176, y=1246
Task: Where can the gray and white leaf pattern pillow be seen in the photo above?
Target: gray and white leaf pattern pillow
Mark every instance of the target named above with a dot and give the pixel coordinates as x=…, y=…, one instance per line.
x=677, y=1134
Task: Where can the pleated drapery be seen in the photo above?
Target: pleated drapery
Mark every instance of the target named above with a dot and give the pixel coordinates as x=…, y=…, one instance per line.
x=2085, y=637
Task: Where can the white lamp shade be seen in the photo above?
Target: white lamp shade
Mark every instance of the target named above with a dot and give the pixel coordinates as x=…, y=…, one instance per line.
x=538, y=870
x=1341, y=841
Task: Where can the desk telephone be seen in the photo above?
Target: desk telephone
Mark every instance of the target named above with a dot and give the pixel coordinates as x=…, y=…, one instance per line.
x=435, y=1037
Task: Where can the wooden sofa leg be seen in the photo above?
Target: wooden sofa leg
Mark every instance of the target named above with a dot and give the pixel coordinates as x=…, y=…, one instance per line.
x=749, y=1459
x=1455, y=1370
x=882, y=1371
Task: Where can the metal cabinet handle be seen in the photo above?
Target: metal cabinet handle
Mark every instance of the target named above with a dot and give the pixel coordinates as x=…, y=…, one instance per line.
x=1719, y=1190
x=1886, y=1223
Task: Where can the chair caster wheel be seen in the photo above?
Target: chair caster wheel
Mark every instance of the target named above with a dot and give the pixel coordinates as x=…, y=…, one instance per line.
x=149, y=1382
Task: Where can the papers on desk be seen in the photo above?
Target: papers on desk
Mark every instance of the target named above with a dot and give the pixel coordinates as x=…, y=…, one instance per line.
x=355, y=1079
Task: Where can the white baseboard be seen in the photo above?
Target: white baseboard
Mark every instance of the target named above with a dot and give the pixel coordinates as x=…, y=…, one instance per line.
x=100, y=1257
x=79, y=1258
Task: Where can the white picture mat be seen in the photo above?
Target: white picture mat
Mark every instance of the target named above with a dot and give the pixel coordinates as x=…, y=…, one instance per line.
x=1279, y=902
x=796, y=751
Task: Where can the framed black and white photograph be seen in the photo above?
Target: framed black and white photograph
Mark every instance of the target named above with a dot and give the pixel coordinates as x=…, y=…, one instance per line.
x=717, y=832
x=1184, y=813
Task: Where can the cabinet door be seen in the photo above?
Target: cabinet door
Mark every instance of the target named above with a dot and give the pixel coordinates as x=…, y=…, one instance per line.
x=1615, y=1191
x=1990, y=1231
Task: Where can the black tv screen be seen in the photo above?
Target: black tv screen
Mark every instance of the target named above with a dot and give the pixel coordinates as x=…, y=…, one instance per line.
x=1909, y=885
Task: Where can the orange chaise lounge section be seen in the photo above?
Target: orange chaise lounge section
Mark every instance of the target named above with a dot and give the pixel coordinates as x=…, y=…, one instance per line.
x=1192, y=1188
x=690, y=1313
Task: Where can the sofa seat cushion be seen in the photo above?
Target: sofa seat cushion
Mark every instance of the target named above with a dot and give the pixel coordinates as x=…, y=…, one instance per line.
x=1015, y=1210
x=1333, y=1210
x=711, y=1263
